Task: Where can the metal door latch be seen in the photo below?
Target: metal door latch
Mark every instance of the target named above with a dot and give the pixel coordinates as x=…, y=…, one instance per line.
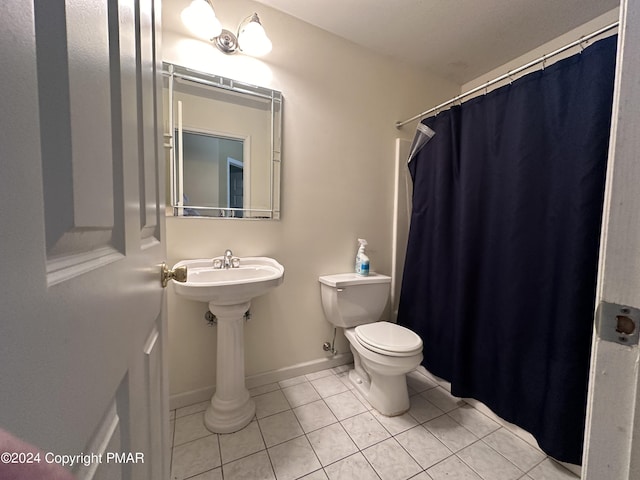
x=618, y=323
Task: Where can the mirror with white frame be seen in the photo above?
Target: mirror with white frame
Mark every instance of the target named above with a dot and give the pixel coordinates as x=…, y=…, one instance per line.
x=224, y=146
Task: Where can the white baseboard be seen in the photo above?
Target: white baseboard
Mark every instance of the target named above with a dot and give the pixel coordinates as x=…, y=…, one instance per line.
x=185, y=399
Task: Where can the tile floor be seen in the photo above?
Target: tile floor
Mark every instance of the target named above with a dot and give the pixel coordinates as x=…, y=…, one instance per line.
x=317, y=427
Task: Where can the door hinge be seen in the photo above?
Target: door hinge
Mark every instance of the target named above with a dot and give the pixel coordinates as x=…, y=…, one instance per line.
x=618, y=323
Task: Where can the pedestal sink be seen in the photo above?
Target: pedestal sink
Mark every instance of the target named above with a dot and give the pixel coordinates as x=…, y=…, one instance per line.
x=229, y=291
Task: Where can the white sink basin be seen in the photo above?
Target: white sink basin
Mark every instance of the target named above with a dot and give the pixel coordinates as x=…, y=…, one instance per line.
x=229, y=292
x=229, y=286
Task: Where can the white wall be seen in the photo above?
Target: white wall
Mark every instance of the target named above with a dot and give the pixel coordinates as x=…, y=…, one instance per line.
x=340, y=106
x=575, y=34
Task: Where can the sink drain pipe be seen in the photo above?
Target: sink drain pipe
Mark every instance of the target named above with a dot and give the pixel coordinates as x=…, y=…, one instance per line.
x=212, y=320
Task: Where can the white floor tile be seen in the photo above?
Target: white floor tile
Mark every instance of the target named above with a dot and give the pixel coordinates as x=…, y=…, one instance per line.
x=215, y=474
x=488, y=463
x=426, y=449
x=474, y=421
x=346, y=436
x=429, y=375
x=195, y=457
x=242, y=443
x=342, y=368
x=255, y=467
x=271, y=387
x=195, y=408
x=442, y=399
x=450, y=432
x=270, y=403
x=293, y=459
x=300, y=394
x=365, y=430
x=362, y=399
x=522, y=433
x=550, y=470
x=327, y=386
x=292, y=381
x=573, y=468
x=452, y=469
x=279, y=428
x=320, y=374
x=486, y=411
x=314, y=415
x=351, y=468
x=345, y=405
x=422, y=409
x=397, y=424
x=344, y=378
x=317, y=475
x=418, y=382
x=331, y=444
x=422, y=476
x=514, y=449
x=391, y=461
x=188, y=428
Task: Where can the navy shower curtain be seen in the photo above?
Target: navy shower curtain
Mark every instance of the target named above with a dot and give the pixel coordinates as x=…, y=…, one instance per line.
x=500, y=272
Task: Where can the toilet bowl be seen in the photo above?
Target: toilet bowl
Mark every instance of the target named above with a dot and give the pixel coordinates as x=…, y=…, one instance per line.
x=383, y=352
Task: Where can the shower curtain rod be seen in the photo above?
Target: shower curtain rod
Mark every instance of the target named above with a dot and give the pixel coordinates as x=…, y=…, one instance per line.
x=510, y=73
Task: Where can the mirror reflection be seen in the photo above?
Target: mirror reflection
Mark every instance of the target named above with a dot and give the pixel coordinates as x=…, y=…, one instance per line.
x=225, y=146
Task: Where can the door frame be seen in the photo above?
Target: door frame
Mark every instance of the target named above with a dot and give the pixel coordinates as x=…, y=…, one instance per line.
x=612, y=445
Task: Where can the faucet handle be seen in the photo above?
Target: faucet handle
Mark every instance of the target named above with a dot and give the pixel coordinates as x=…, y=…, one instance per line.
x=235, y=262
x=217, y=263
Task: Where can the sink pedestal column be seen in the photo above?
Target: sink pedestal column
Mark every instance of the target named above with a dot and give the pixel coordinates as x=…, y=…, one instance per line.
x=231, y=407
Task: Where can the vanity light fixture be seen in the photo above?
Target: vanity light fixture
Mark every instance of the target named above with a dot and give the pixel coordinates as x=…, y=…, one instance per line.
x=250, y=38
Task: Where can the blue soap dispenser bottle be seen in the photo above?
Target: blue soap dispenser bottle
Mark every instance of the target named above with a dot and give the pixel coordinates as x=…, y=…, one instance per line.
x=362, y=261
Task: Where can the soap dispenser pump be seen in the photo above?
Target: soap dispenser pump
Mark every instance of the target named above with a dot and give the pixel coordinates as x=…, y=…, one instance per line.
x=362, y=261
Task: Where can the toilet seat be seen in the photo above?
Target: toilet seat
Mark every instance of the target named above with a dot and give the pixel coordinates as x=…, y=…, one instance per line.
x=388, y=339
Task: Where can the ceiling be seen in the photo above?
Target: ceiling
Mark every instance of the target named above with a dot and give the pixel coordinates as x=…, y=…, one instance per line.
x=455, y=39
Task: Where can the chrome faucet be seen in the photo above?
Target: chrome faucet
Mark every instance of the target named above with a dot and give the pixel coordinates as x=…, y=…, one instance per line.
x=228, y=258
x=226, y=261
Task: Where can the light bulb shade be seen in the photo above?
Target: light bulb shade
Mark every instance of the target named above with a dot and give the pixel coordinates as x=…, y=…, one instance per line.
x=200, y=18
x=252, y=38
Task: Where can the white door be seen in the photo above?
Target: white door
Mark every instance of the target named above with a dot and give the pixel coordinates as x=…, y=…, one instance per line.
x=612, y=440
x=82, y=330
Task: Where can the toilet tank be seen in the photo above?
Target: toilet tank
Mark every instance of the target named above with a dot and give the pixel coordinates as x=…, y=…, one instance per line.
x=349, y=300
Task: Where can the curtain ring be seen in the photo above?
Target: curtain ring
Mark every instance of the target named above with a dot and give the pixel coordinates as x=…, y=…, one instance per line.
x=544, y=62
x=510, y=75
x=583, y=43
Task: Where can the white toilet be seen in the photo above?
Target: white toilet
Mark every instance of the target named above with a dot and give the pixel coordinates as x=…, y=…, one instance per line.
x=383, y=352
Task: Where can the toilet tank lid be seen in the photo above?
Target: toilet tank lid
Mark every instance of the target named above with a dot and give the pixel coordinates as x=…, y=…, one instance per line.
x=340, y=280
